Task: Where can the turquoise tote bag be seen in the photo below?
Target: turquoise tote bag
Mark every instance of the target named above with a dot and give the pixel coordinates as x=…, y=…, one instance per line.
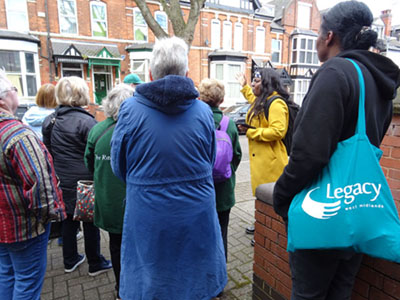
x=349, y=205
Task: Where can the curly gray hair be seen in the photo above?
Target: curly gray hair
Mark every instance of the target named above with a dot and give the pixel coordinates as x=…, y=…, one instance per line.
x=114, y=99
x=169, y=57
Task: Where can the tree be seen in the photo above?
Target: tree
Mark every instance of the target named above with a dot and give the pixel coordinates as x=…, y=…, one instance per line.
x=172, y=8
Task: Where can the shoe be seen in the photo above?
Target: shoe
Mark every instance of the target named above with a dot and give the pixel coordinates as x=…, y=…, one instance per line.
x=252, y=242
x=250, y=230
x=79, y=262
x=79, y=235
x=104, y=266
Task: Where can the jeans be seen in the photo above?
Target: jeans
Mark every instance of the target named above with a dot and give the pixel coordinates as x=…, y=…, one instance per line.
x=323, y=274
x=22, y=268
x=91, y=236
x=115, y=251
x=223, y=218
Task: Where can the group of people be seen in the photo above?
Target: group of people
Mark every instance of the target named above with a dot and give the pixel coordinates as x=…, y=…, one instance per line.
x=152, y=163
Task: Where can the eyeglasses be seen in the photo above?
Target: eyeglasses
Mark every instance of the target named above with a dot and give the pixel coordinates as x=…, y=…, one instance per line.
x=13, y=88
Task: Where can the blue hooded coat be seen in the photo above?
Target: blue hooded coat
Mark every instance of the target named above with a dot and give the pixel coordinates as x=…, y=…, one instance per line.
x=163, y=147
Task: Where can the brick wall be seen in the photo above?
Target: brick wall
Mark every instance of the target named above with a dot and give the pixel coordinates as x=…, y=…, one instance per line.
x=377, y=279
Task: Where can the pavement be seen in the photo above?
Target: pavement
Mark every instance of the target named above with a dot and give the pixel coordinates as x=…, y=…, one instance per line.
x=78, y=285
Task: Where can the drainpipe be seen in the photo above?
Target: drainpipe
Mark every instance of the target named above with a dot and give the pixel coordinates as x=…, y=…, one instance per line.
x=48, y=42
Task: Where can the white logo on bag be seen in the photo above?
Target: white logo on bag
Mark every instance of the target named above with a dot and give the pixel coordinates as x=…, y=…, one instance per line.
x=321, y=210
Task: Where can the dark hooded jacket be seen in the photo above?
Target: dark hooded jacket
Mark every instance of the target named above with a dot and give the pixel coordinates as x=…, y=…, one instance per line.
x=329, y=115
x=66, y=141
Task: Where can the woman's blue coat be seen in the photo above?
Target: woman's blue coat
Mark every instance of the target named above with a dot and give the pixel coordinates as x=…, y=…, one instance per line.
x=163, y=147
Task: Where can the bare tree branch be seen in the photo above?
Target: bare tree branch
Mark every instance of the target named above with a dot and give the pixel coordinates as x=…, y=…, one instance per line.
x=151, y=22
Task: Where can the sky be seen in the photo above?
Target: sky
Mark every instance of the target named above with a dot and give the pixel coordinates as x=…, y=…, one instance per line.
x=376, y=7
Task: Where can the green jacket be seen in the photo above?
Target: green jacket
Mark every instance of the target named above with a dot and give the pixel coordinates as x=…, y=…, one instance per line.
x=109, y=190
x=225, y=191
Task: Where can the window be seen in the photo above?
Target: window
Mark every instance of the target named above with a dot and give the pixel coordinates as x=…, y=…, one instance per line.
x=71, y=69
x=17, y=15
x=139, y=67
x=99, y=18
x=304, y=51
x=238, y=39
x=226, y=71
x=162, y=20
x=303, y=15
x=215, y=34
x=260, y=39
x=20, y=68
x=276, y=51
x=227, y=35
x=140, y=26
x=300, y=89
x=67, y=16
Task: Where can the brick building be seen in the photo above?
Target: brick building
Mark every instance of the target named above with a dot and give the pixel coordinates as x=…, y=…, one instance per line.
x=103, y=41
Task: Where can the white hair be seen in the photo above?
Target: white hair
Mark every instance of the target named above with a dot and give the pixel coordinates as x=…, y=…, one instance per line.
x=169, y=57
x=5, y=83
x=72, y=91
x=114, y=99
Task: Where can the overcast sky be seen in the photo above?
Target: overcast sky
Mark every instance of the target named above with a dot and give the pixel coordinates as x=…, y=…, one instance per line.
x=376, y=7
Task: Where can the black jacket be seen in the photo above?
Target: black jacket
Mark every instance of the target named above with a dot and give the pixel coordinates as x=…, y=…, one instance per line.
x=329, y=115
x=66, y=141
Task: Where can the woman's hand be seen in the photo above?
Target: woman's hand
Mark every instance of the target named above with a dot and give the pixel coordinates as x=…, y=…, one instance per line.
x=241, y=78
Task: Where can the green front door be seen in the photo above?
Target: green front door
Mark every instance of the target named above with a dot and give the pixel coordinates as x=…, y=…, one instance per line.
x=100, y=86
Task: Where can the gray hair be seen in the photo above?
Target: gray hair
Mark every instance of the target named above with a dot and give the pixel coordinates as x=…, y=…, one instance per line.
x=114, y=99
x=4, y=82
x=169, y=57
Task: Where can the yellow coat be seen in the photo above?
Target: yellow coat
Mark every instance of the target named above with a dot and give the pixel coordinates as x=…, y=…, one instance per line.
x=268, y=156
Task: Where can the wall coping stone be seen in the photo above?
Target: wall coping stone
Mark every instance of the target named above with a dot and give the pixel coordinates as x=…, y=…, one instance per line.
x=264, y=193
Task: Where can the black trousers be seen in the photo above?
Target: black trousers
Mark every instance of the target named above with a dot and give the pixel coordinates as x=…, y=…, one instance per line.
x=323, y=274
x=115, y=251
x=223, y=218
x=91, y=235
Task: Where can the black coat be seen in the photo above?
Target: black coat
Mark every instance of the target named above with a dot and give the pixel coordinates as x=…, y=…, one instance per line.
x=329, y=115
x=66, y=140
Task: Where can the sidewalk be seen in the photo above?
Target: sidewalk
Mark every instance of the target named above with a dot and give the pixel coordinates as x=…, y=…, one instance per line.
x=78, y=285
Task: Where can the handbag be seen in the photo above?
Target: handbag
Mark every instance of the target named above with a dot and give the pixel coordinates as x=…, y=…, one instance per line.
x=84, y=207
x=349, y=205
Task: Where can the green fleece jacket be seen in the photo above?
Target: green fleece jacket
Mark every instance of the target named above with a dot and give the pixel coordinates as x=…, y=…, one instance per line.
x=225, y=191
x=109, y=190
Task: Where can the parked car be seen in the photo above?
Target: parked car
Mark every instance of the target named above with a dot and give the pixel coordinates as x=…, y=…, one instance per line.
x=237, y=113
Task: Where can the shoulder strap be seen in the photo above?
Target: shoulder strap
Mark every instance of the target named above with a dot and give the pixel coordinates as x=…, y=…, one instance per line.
x=104, y=132
x=268, y=104
x=223, y=125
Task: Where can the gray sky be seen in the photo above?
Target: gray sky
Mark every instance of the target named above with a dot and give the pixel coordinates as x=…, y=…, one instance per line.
x=376, y=7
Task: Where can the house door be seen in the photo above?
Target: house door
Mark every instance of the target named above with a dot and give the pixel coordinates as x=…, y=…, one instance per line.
x=100, y=86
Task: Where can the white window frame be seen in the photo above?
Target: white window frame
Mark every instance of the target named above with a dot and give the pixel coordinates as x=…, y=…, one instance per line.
x=300, y=89
x=215, y=34
x=225, y=79
x=298, y=50
x=304, y=15
x=238, y=37
x=93, y=20
x=23, y=10
x=275, y=50
x=260, y=39
x=162, y=13
x=227, y=35
x=67, y=16
x=63, y=68
x=144, y=28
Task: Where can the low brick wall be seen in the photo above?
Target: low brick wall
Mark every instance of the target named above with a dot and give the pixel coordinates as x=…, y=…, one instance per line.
x=377, y=279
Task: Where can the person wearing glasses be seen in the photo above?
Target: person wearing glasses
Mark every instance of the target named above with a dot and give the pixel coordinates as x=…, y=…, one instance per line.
x=29, y=199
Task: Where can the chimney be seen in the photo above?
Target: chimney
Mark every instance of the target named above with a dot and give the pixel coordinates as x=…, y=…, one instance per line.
x=386, y=18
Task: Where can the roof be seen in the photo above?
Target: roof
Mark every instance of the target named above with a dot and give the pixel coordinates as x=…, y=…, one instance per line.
x=299, y=31
x=91, y=50
x=15, y=35
x=140, y=46
x=280, y=5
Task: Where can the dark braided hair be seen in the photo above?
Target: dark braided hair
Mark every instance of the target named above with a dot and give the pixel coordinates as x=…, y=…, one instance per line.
x=350, y=21
x=270, y=82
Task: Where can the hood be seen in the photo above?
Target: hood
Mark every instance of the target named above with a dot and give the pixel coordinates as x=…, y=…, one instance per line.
x=171, y=94
x=385, y=72
x=36, y=115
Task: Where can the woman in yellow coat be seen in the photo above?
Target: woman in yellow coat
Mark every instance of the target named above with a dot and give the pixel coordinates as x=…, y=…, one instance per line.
x=267, y=152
